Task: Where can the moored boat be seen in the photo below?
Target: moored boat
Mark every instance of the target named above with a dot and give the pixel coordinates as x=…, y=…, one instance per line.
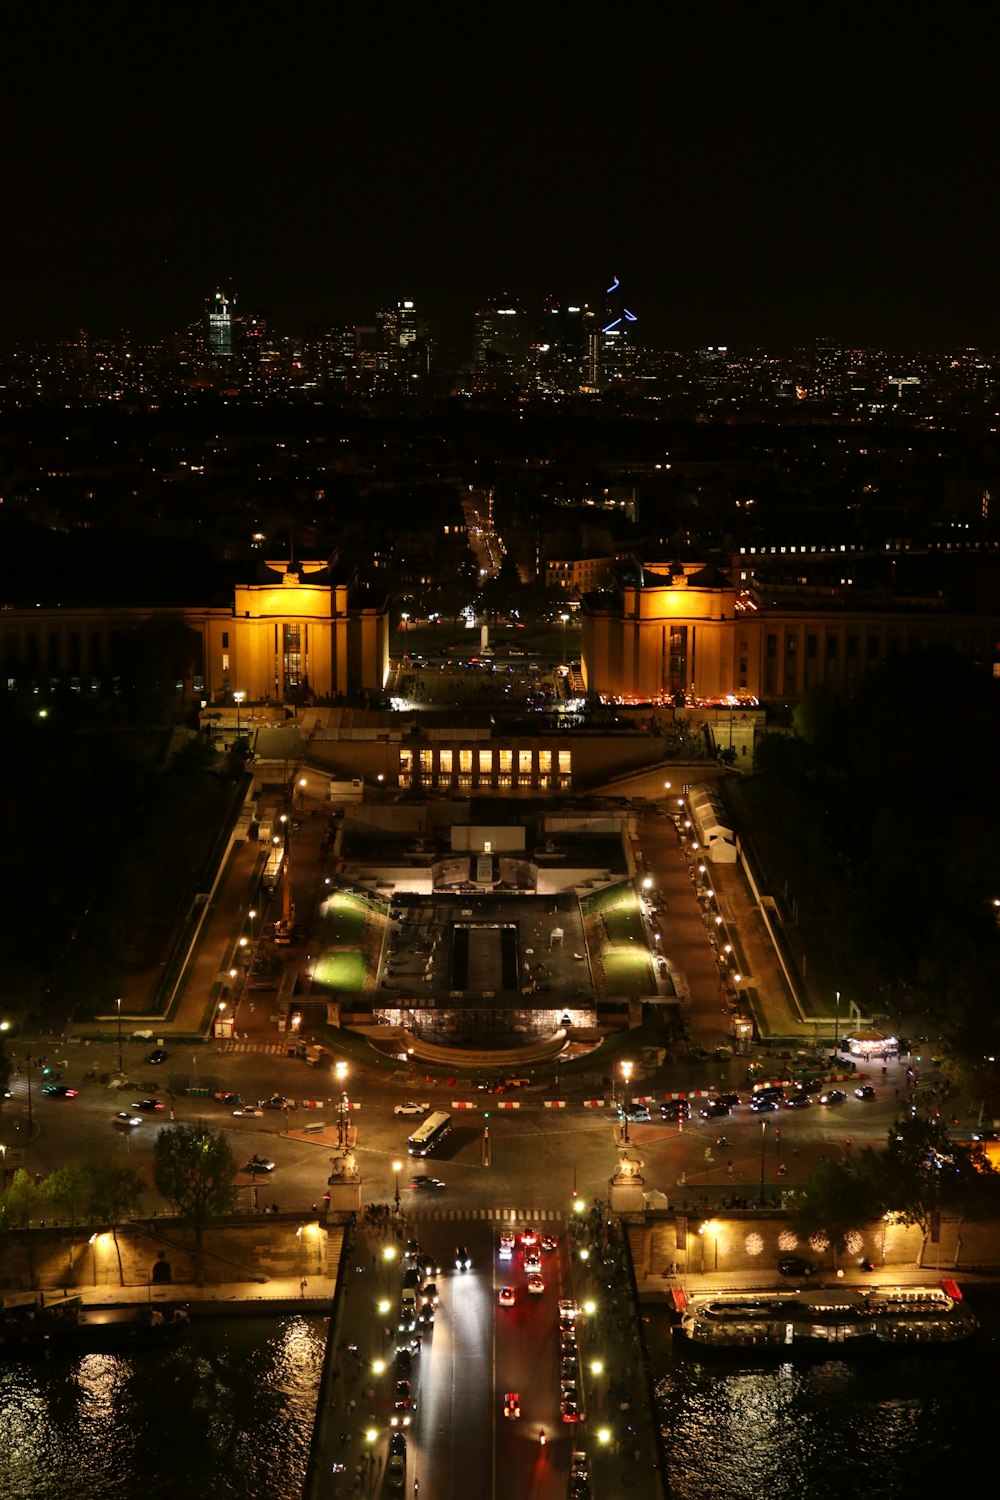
x=823, y=1318
x=69, y=1323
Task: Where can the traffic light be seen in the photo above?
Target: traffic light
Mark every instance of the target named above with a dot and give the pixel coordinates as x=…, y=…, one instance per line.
x=777, y=1132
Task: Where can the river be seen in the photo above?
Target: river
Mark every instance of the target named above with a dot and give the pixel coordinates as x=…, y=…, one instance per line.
x=877, y=1424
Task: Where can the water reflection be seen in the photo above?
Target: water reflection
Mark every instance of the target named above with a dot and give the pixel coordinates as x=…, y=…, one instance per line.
x=229, y=1412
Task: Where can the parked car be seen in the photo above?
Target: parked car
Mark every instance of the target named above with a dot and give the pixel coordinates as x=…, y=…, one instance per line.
x=158, y=1055
x=794, y=1265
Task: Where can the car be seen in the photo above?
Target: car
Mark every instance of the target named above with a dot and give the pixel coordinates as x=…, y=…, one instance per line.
x=568, y=1370
x=763, y=1104
x=567, y=1345
x=528, y=1237
x=579, y=1477
x=404, y=1364
x=407, y=1319
x=511, y=1404
x=258, y=1164
x=403, y=1398
x=125, y=1121
x=731, y=1099
x=532, y=1262
x=569, y=1410
x=157, y=1056
x=412, y=1249
x=426, y=1264
x=247, y=1110
x=635, y=1114
x=412, y=1277
x=228, y=1097
x=276, y=1101
x=430, y=1294
x=426, y=1184
x=568, y=1390
x=798, y=1101
x=505, y=1296
x=410, y=1108
x=463, y=1260
x=506, y=1246
x=536, y=1285
x=425, y=1317
x=864, y=1091
x=395, y=1472
x=833, y=1096
x=516, y=1083
x=675, y=1109
x=549, y=1242
x=60, y=1091
x=567, y=1308
x=149, y=1106
x=794, y=1265
x=715, y=1110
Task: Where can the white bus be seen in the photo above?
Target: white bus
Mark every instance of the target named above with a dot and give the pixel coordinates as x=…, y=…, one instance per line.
x=426, y=1136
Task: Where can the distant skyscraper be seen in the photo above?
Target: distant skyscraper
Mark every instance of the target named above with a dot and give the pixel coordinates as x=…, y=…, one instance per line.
x=612, y=349
x=405, y=344
x=499, y=338
x=221, y=324
x=563, y=353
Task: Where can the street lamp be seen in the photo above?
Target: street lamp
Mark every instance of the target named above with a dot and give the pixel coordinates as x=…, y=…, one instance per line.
x=119, y=1003
x=403, y=618
x=397, y=1167
x=564, y=618
x=341, y=1071
x=238, y=699
x=626, y=1096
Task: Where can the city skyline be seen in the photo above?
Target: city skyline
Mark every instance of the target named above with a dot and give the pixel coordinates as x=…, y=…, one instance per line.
x=749, y=183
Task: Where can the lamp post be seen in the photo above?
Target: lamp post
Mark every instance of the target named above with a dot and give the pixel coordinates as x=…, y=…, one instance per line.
x=836, y=1025
x=763, y=1139
x=397, y=1167
x=238, y=699
x=341, y=1071
x=626, y=1095
x=119, y=1004
x=564, y=618
x=403, y=619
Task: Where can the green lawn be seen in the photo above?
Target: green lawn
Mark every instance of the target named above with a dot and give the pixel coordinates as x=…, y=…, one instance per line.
x=623, y=924
x=340, y=971
x=605, y=900
x=628, y=973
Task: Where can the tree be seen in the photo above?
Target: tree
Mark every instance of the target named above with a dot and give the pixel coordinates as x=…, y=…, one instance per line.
x=113, y=1193
x=832, y=1203
x=923, y=1171
x=20, y=1204
x=194, y=1169
x=68, y=1190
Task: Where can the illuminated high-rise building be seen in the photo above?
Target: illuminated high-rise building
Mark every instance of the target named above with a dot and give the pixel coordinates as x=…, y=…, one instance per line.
x=221, y=324
x=405, y=343
x=499, y=338
x=612, y=348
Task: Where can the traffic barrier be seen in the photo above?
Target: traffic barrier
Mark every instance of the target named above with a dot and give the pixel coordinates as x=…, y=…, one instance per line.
x=315, y=1104
x=646, y=1099
x=554, y=1103
x=700, y=1094
x=313, y=1126
x=508, y=1104
x=593, y=1103
x=464, y=1104
x=675, y=1096
x=352, y=1104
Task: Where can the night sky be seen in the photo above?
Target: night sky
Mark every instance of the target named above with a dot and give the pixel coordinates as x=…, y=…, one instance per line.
x=754, y=174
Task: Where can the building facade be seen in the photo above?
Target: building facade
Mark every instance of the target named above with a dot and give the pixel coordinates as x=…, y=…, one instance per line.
x=301, y=633
x=672, y=629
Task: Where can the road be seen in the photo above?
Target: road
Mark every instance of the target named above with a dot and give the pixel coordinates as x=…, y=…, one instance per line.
x=460, y=1443
x=539, y=1156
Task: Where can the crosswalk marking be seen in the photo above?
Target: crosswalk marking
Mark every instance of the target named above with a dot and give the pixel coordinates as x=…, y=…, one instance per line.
x=499, y=1215
x=275, y=1049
